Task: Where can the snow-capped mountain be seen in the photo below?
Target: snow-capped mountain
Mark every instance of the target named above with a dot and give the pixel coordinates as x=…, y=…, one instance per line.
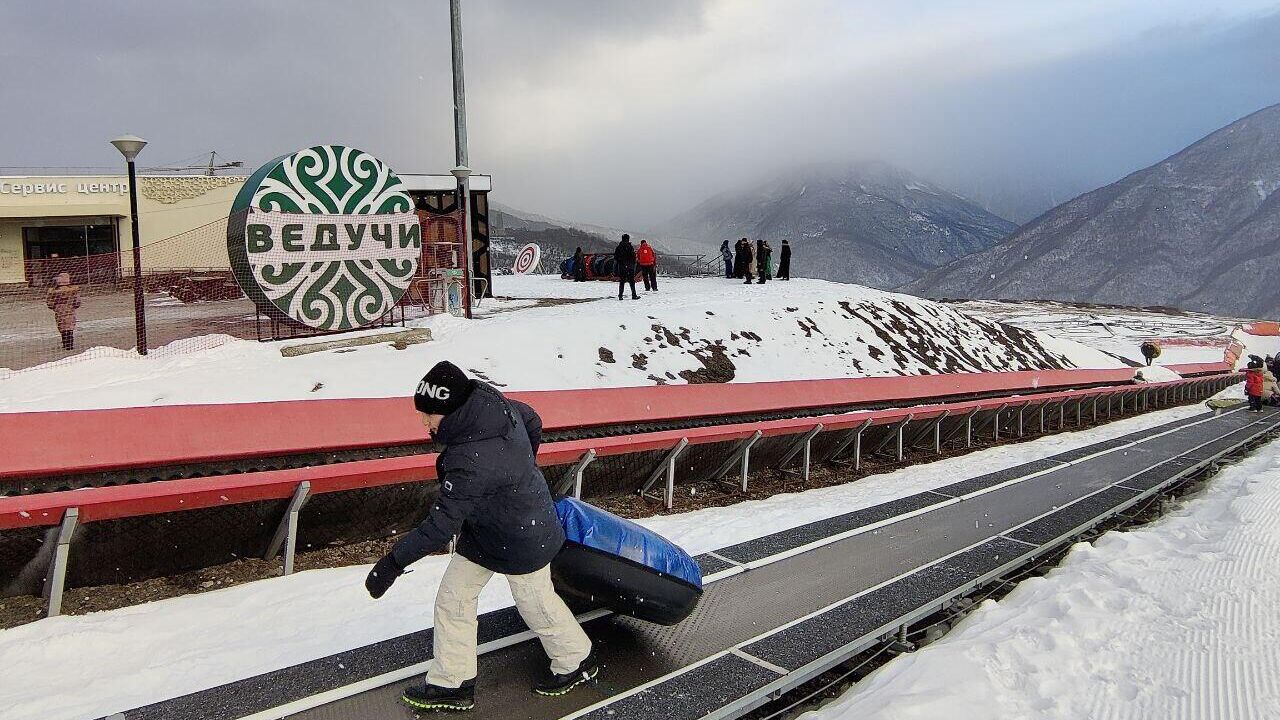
x=869, y=223
x=1197, y=230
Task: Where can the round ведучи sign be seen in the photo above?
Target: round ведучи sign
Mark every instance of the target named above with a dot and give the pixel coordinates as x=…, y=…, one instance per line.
x=527, y=259
x=326, y=237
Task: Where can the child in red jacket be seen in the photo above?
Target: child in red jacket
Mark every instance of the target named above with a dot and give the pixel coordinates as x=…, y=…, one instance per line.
x=1253, y=381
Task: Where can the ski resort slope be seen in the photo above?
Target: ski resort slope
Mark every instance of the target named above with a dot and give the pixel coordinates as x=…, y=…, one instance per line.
x=146, y=653
x=1185, y=337
x=1176, y=620
x=555, y=334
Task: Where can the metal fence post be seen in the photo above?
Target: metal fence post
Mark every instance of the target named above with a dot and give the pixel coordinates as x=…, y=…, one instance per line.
x=56, y=578
x=287, y=531
x=1022, y=409
x=1042, y=406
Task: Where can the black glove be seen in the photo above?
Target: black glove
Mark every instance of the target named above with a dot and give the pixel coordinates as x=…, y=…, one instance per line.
x=381, y=576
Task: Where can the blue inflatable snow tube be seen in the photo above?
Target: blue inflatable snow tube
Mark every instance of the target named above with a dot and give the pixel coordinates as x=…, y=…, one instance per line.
x=613, y=562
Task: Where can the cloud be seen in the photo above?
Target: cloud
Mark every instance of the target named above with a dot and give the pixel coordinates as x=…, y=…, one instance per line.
x=625, y=113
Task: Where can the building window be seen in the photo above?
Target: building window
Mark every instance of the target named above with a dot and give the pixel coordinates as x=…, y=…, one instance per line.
x=89, y=252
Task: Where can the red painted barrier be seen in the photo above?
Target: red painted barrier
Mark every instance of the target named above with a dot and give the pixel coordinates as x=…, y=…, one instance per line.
x=121, y=438
x=1206, y=368
x=107, y=503
x=1262, y=328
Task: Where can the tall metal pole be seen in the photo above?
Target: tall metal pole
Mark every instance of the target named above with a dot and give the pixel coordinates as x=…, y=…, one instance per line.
x=139, y=310
x=460, y=144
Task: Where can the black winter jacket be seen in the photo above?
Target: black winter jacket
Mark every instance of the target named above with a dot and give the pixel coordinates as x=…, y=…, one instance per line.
x=492, y=494
x=625, y=256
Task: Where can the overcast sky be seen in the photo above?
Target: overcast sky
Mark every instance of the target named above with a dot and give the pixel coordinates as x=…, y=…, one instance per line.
x=625, y=112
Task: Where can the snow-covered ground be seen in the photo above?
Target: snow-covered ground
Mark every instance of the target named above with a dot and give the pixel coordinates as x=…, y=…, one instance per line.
x=1178, y=619
x=133, y=656
x=579, y=335
x=1186, y=337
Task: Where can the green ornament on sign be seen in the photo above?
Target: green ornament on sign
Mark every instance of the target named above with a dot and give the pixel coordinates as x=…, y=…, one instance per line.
x=326, y=237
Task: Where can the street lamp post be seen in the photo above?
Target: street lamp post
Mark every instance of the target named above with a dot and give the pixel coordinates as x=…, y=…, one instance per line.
x=463, y=174
x=129, y=146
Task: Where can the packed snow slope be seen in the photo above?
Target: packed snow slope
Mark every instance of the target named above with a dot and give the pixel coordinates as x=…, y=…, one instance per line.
x=1196, y=230
x=1175, y=620
x=1186, y=337
x=556, y=334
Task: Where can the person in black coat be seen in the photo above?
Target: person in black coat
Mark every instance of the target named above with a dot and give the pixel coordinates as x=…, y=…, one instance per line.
x=739, y=260
x=494, y=499
x=624, y=258
x=784, y=261
x=763, y=253
x=579, y=266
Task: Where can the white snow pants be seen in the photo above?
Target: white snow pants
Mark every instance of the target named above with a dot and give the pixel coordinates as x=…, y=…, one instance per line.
x=454, y=639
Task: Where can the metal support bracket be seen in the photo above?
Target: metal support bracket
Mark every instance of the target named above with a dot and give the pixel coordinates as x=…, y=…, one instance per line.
x=895, y=434
x=55, y=580
x=668, y=465
x=966, y=425
x=572, y=478
x=803, y=447
x=287, y=531
x=741, y=457
x=995, y=422
x=854, y=438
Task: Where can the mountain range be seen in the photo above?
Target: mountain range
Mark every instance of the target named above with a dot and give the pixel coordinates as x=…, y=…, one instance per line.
x=868, y=223
x=1199, y=230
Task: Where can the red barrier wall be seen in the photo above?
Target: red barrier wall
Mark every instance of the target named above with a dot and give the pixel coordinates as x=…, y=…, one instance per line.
x=107, y=503
x=169, y=435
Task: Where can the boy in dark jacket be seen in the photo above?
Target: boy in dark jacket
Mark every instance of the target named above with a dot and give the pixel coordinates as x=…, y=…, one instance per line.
x=784, y=262
x=1253, y=382
x=494, y=498
x=624, y=258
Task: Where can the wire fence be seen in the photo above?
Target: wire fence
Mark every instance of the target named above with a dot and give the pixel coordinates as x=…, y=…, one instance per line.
x=67, y=300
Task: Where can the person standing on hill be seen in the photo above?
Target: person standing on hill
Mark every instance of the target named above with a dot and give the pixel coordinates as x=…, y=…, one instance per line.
x=727, y=256
x=624, y=261
x=762, y=260
x=784, y=261
x=495, y=500
x=648, y=261
x=748, y=261
x=579, y=266
x=64, y=299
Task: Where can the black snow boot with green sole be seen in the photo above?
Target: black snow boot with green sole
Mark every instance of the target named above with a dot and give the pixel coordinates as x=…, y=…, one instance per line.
x=433, y=697
x=559, y=684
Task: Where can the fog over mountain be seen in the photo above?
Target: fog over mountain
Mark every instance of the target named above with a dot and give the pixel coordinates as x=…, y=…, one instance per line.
x=867, y=222
x=1199, y=230
x=623, y=113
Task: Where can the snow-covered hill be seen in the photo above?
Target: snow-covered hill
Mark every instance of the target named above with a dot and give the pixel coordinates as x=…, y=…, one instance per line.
x=554, y=334
x=1196, y=230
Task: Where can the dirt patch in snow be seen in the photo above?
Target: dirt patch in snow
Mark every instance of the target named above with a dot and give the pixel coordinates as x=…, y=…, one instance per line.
x=716, y=366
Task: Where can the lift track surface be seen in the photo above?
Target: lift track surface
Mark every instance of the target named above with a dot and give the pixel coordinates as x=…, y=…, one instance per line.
x=777, y=610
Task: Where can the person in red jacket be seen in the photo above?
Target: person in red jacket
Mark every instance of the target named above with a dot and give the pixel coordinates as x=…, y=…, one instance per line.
x=1253, y=382
x=648, y=262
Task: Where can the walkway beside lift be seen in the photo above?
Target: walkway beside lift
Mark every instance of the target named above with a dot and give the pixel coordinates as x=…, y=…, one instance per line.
x=779, y=609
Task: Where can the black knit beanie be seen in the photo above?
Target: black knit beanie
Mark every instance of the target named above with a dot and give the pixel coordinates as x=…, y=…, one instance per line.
x=442, y=390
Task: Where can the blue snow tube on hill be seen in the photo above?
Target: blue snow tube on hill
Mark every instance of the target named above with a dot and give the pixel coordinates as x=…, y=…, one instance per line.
x=613, y=562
